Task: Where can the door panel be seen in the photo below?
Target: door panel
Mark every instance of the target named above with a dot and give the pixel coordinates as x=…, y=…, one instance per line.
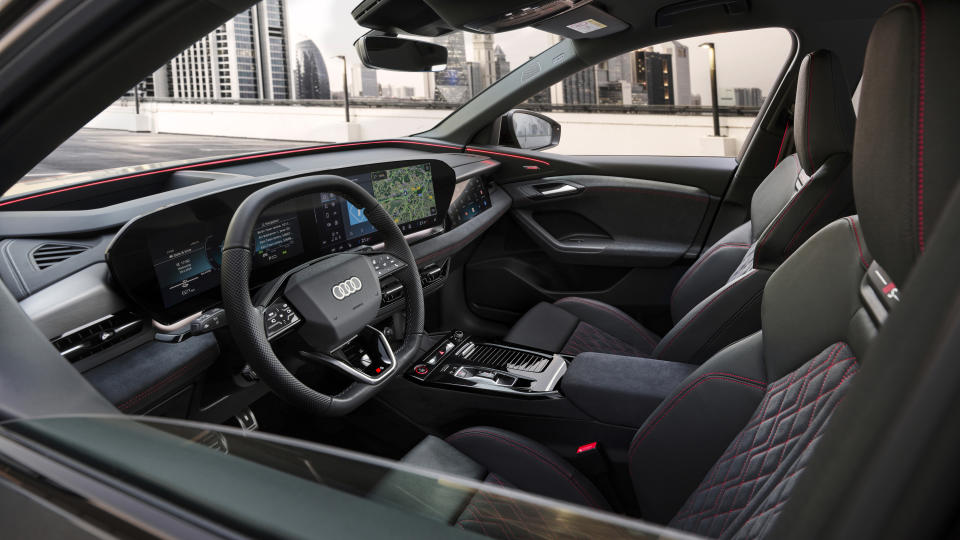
x=609, y=221
x=613, y=228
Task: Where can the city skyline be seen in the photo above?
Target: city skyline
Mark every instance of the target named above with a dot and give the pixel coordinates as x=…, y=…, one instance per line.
x=744, y=59
x=252, y=56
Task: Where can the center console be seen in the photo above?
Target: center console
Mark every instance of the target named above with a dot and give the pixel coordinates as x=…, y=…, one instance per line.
x=464, y=362
x=594, y=383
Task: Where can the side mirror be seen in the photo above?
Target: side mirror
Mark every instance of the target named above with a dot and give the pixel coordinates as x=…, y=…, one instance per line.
x=528, y=130
x=380, y=51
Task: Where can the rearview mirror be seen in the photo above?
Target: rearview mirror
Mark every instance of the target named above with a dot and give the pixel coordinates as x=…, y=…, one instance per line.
x=528, y=130
x=380, y=51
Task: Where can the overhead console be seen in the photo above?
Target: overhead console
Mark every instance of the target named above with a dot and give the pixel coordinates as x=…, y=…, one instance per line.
x=570, y=18
x=168, y=261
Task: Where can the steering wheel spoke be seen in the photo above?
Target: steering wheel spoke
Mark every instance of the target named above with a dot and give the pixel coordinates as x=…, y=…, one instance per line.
x=367, y=357
x=279, y=318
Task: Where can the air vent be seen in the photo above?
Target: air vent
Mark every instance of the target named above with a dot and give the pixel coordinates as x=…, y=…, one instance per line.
x=98, y=335
x=48, y=255
x=496, y=357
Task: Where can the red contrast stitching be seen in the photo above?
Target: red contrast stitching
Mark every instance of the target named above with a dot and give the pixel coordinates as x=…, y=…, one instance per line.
x=156, y=386
x=603, y=307
x=723, y=377
x=921, y=112
x=531, y=451
x=856, y=236
x=783, y=141
x=700, y=261
x=807, y=119
x=723, y=291
x=783, y=213
x=515, y=156
x=813, y=213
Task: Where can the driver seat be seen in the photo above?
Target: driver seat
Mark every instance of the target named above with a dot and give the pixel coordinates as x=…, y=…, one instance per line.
x=721, y=455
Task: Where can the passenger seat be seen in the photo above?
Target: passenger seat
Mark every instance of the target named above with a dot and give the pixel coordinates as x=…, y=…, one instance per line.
x=717, y=301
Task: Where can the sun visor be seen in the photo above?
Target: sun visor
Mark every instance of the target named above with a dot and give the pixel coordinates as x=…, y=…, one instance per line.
x=583, y=22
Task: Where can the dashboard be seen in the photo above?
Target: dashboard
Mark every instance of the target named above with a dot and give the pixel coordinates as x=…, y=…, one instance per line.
x=168, y=261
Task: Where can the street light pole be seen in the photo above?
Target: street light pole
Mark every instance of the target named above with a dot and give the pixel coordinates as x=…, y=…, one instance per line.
x=346, y=94
x=713, y=86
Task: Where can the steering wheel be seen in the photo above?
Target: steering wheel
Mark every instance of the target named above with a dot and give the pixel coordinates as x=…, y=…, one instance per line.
x=335, y=297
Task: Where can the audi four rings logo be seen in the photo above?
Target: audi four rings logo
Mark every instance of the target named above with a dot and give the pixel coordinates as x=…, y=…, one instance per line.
x=346, y=288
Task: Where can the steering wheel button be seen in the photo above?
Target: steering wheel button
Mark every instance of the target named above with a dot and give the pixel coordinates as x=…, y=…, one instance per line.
x=421, y=370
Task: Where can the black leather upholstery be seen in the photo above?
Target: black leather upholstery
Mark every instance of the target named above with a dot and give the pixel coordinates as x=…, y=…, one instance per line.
x=824, y=123
x=749, y=479
x=712, y=270
x=730, y=313
x=717, y=300
x=527, y=464
x=910, y=82
x=722, y=455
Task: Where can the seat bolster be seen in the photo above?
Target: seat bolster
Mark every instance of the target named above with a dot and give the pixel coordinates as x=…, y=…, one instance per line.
x=611, y=321
x=545, y=327
x=827, y=195
x=527, y=464
x=682, y=439
x=710, y=272
x=415, y=492
x=729, y=314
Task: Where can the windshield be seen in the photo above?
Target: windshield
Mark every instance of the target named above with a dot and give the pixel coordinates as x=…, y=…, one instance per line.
x=273, y=78
x=272, y=486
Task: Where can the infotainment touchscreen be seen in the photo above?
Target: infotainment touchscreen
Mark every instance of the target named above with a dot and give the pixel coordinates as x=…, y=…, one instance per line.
x=407, y=194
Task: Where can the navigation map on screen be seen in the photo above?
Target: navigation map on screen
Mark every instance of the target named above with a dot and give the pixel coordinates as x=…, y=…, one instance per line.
x=406, y=193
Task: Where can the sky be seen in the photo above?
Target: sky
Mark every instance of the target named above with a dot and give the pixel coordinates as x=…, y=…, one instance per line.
x=744, y=59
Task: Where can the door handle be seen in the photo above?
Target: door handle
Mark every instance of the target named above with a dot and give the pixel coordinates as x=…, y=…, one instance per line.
x=555, y=189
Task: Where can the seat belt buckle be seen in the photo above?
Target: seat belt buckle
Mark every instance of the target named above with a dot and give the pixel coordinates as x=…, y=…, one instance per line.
x=591, y=459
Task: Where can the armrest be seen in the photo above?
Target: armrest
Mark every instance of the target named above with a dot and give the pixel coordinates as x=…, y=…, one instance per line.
x=621, y=390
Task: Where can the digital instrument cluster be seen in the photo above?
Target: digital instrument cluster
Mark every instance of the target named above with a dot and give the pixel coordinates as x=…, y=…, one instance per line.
x=169, y=260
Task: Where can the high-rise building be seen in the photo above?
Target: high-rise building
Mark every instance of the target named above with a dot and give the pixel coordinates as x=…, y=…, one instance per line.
x=310, y=75
x=749, y=97
x=501, y=65
x=618, y=68
x=476, y=78
x=654, y=76
x=484, y=61
x=453, y=84
x=581, y=87
x=363, y=82
x=680, y=54
x=740, y=97
x=245, y=57
x=615, y=93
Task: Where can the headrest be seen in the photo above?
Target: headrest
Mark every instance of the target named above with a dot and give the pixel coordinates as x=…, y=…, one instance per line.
x=823, y=111
x=905, y=161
